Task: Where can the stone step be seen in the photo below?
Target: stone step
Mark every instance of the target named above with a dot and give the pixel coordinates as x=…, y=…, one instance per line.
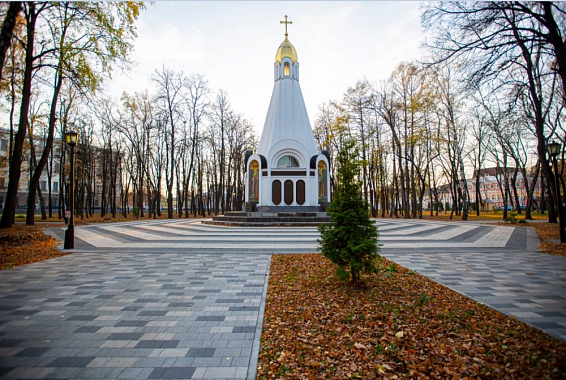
x=265, y=219
x=273, y=216
x=237, y=213
x=300, y=214
x=261, y=224
x=289, y=209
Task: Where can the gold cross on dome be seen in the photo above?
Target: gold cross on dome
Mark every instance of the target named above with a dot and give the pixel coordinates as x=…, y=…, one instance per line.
x=286, y=22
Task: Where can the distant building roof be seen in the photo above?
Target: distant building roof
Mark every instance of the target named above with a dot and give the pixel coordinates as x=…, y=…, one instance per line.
x=495, y=171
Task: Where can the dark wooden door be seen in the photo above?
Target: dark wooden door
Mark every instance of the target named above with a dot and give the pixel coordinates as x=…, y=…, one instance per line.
x=301, y=192
x=288, y=196
x=276, y=192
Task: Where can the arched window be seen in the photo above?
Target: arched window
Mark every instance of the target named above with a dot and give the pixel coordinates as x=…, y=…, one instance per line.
x=322, y=190
x=286, y=69
x=253, y=184
x=288, y=192
x=287, y=162
x=300, y=192
x=276, y=192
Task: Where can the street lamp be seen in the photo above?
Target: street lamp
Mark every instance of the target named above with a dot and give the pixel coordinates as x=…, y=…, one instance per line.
x=553, y=150
x=71, y=137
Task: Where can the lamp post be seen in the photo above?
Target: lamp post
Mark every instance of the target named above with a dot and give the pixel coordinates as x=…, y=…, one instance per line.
x=553, y=150
x=71, y=137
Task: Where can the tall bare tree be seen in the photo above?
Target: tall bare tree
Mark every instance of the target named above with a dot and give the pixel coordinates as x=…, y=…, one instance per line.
x=495, y=39
x=170, y=98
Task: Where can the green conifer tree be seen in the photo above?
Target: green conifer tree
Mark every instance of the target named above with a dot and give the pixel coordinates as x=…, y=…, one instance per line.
x=350, y=239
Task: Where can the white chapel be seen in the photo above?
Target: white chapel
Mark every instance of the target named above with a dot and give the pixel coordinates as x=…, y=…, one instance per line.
x=287, y=171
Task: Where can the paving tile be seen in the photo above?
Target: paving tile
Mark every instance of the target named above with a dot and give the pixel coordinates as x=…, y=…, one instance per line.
x=87, y=329
x=82, y=318
x=201, y=352
x=30, y=373
x=71, y=361
x=219, y=372
x=207, y=362
x=95, y=373
x=128, y=323
x=181, y=304
x=172, y=373
x=5, y=370
x=211, y=318
x=149, y=362
x=152, y=313
x=125, y=336
x=32, y=352
x=10, y=342
x=244, y=329
x=130, y=373
x=157, y=344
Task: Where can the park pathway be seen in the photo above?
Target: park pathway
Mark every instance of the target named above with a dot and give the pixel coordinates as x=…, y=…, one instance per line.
x=179, y=299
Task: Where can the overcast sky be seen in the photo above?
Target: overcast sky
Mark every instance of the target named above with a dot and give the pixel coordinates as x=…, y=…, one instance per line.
x=233, y=45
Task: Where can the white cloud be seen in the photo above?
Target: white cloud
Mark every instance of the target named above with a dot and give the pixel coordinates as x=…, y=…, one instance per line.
x=234, y=43
x=174, y=45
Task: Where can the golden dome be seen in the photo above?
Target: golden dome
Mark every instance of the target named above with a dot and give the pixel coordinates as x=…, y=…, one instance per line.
x=286, y=49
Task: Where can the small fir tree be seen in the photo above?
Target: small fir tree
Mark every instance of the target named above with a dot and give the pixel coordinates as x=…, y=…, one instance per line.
x=350, y=239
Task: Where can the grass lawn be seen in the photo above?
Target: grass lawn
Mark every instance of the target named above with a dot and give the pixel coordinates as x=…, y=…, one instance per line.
x=402, y=326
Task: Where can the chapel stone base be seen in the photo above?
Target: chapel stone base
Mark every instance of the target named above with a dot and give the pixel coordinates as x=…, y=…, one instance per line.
x=273, y=216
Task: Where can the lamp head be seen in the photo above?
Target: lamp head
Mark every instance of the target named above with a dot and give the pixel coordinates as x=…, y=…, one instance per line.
x=553, y=148
x=71, y=137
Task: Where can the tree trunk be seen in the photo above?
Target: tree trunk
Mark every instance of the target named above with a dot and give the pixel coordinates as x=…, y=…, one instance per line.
x=15, y=165
x=555, y=38
x=48, y=144
x=530, y=188
x=8, y=30
x=514, y=188
x=478, y=194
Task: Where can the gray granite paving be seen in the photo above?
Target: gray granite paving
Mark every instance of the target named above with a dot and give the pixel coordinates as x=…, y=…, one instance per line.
x=126, y=315
x=180, y=300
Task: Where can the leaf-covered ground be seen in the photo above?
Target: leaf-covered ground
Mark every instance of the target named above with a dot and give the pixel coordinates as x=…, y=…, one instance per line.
x=549, y=235
x=401, y=326
x=22, y=244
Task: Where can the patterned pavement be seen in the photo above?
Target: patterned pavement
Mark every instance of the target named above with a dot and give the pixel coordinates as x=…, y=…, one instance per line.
x=509, y=275
x=178, y=299
x=140, y=315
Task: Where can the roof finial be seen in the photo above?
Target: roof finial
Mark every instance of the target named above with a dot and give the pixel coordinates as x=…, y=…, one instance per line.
x=286, y=22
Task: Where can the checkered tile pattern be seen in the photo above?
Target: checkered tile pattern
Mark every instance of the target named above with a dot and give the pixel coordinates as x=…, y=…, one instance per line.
x=141, y=315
